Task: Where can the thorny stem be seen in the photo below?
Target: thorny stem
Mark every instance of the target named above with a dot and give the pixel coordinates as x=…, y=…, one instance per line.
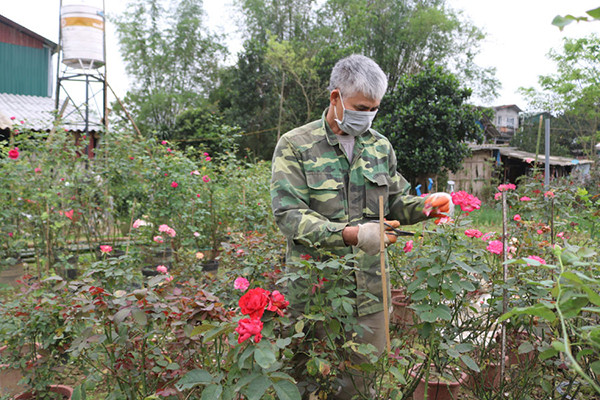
x=565, y=338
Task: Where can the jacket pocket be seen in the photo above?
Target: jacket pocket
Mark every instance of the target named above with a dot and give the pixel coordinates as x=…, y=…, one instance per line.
x=326, y=194
x=376, y=185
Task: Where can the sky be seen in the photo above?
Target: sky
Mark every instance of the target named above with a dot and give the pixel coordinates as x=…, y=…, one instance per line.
x=519, y=34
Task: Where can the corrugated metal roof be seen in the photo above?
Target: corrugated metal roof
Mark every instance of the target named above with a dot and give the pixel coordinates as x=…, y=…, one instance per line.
x=523, y=155
x=37, y=113
x=553, y=160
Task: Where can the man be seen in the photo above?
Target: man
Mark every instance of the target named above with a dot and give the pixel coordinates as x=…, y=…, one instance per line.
x=327, y=177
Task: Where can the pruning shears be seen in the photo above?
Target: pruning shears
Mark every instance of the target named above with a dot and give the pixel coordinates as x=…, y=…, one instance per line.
x=398, y=232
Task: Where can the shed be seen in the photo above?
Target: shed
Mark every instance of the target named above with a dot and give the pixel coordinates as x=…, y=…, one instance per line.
x=486, y=160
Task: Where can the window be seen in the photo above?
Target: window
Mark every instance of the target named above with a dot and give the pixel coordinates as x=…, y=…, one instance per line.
x=499, y=120
x=510, y=122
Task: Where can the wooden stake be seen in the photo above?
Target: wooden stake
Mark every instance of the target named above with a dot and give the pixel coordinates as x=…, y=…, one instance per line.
x=504, y=291
x=386, y=310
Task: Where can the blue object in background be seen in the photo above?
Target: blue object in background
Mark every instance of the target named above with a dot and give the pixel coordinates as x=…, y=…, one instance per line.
x=430, y=185
x=418, y=189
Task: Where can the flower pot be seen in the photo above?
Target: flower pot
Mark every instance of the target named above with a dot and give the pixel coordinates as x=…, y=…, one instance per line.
x=65, y=391
x=402, y=315
x=489, y=376
x=514, y=339
x=437, y=388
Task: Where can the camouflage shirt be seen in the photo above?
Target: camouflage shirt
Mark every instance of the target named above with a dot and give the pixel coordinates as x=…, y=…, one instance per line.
x=316, y=192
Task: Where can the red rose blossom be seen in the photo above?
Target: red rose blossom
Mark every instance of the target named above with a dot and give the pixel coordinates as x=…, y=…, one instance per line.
x=253, y=303
x=277, y=303
x=249, y=327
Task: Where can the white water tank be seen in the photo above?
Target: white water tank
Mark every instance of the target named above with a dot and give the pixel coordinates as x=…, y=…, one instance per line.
x=82, y=29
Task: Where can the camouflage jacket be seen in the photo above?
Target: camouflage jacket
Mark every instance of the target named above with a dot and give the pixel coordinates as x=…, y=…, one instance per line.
x=316, y=192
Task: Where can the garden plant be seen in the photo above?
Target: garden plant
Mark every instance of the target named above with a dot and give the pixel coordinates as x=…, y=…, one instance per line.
x=119, y=301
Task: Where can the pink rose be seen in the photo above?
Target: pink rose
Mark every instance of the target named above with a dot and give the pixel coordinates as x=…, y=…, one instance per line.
x=206, y=179
x=467, y=202
x=517, y=217
x=505, y=187
x=487, y=236
x=473, y=233
x=163, y=142
x=10, y=234
x=158, y=239
x=525, y=198
x=538, y=259
x=549, y=193
x=161, y=269
x=195, y=172
x=106, y=249
x=168, y=278
x=408, y=246
x=241, y=283
x=13, y=154
x=495, y=246
x=37, y=170
x=174, y=184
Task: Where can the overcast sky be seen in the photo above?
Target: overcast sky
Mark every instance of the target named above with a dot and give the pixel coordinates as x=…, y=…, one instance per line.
x=519, y=34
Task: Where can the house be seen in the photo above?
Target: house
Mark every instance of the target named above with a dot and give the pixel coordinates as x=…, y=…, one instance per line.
x=489, y=160
x=506, y=119
x=26, y=84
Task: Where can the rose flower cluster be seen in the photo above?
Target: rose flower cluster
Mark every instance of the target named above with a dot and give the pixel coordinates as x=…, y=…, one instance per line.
x=253, y=304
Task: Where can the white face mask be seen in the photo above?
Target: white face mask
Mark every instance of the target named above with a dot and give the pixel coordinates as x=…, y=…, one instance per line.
x=354, y=123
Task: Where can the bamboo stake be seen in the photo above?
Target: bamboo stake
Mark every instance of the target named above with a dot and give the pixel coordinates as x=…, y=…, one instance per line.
x=386, y=310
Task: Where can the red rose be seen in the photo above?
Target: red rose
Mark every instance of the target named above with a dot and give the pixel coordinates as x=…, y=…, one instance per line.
x=249, y=327
x=277, y=303
x=13, y=154
x=253, y=303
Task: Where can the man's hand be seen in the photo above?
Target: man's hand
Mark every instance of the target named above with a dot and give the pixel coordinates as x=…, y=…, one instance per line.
x=369, y=234
x=438, y=203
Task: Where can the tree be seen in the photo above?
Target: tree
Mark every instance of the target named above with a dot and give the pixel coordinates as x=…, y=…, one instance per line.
x=171, y=58
x=429, y=123
x=206, y=130
x=573, y=92
x=561, y=141
x=403, y=36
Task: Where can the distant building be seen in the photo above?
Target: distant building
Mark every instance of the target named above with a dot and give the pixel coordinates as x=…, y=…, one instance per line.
x=26, y=84
x=506, y=119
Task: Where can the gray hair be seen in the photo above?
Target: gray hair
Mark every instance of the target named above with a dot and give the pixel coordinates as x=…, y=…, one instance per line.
x=358, y=74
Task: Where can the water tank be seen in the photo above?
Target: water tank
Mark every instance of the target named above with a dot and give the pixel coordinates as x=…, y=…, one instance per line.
x=82, y=29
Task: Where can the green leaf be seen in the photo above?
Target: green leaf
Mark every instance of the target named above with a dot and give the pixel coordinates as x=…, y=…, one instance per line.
x=469, y=362
x=559, y=346
x=286, y=390
x=201, y=329
x=139, y=316
x=442, y=313
x=283, y=343
x=398, y=375
x=427, y=316
x=561, y=22
x=194, y=378
x=257, y=388
x=212, y=392
x=538, y=310
x=121, y=315
x=595, y=366
x=595, y=13
x=549, y=353
x=264, y=356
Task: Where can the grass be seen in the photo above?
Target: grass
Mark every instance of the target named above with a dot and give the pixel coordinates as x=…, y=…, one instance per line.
x=488, y=218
